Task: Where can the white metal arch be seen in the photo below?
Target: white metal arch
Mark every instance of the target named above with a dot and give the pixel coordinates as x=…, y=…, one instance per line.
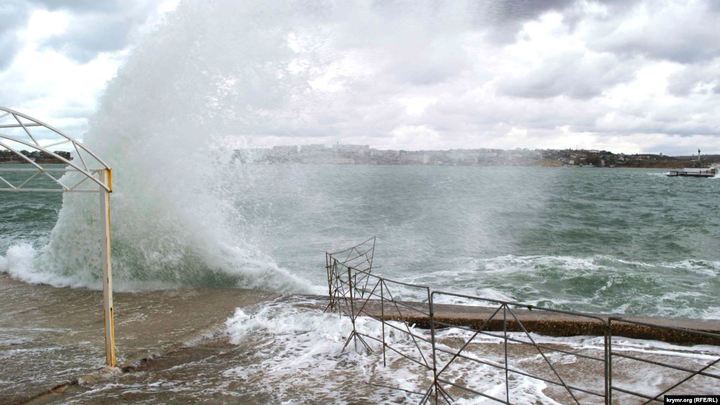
x=87, y=173
x=19, y=132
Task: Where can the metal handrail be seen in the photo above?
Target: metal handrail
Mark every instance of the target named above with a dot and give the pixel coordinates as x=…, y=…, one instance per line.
x=345, y=292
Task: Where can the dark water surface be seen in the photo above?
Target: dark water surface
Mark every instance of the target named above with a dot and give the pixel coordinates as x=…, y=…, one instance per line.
x=603, y=240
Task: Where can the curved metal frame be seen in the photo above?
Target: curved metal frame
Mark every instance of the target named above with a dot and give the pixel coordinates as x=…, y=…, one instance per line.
x=89, y=171
x=91, y=167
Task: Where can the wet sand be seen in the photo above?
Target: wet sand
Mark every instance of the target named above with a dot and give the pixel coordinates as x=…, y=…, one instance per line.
x=51, y=336
x=175, y=348
x=284, y=365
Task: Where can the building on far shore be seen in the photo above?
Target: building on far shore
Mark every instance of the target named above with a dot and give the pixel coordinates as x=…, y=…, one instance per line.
x=7, y=156
x=364, y=154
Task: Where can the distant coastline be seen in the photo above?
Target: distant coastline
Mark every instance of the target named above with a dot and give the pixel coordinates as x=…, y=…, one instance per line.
x=7, y=156
x=365, y=155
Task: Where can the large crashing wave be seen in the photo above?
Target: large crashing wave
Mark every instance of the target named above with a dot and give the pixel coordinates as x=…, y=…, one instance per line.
x=211, y=71
x=216, y=73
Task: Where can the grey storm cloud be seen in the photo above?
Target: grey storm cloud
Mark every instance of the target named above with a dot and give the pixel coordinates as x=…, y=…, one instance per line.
x=8, y=47
x=698, y=78
x=678, y=32
x=503, y=19
x=80, y=5
x=13, y=15
x=97, y=26
x=574, y=74
x=92, y=33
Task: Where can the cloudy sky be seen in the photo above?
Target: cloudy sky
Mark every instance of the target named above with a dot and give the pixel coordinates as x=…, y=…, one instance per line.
x=624, y=75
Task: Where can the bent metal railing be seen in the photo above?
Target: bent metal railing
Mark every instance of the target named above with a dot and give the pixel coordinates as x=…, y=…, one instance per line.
x=444, y=361
x=36, y=166
x=506, y=313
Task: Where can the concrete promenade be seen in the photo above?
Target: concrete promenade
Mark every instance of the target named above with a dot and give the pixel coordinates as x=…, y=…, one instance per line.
x=543, y=322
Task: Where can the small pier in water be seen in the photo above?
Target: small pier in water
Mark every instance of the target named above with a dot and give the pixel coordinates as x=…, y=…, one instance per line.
x=691, y=172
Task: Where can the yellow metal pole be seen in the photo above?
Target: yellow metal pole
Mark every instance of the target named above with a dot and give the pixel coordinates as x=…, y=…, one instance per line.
x=106, y=177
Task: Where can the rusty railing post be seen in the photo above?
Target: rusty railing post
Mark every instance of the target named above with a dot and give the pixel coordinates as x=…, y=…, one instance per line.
x=507, y=380
x=352, y=307
x=608, y=362
x=382, y=317
x=431, y=312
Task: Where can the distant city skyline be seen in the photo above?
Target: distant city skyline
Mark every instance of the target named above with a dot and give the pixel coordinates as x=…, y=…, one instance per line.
x=365, y=155
x=690, y=152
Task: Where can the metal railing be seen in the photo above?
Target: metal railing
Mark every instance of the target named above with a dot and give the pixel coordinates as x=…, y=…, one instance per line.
x=83, y=172
x=443, y=362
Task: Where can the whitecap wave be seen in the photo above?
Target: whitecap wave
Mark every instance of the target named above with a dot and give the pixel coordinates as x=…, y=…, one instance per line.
x=298, y=353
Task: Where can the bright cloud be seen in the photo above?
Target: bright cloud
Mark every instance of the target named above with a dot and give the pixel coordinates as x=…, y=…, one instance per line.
x=61, y=56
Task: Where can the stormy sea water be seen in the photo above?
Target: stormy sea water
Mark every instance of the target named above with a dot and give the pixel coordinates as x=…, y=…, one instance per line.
x=623, y=241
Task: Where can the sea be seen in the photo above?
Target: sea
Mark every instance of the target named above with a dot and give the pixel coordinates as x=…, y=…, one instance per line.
x=618, y=241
